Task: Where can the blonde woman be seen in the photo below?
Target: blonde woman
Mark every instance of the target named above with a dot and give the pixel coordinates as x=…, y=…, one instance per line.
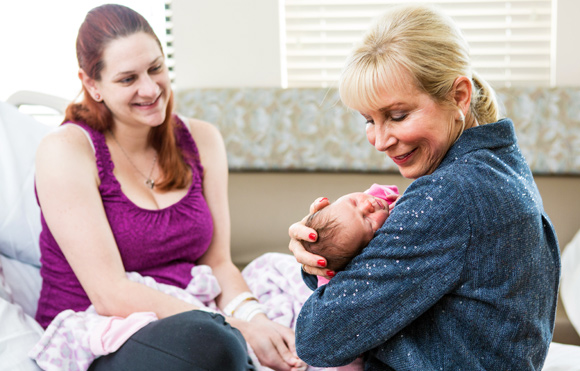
x=464, y=273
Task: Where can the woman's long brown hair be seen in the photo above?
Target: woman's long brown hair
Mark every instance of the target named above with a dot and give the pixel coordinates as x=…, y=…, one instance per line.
x=101, y=26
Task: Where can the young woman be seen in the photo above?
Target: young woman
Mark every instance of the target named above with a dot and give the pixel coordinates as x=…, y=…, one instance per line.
x=126, y=185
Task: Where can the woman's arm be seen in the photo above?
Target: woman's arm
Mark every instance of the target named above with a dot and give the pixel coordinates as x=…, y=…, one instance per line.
x=67, y=185
x=273, y=344
x=215, y=190
x=413, y=261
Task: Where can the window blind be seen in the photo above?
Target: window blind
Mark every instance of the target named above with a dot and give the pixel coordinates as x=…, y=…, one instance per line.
x=169, y=48
x=510, y=41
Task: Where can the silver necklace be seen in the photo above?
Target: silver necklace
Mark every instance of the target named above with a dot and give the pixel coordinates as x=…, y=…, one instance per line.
x=149, y=182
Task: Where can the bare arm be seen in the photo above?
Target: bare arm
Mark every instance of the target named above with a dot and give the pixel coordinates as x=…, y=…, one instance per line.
x=215, y=190
x=273, y=344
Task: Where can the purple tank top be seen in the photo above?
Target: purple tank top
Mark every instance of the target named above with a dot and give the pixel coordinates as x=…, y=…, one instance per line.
x=163, y=244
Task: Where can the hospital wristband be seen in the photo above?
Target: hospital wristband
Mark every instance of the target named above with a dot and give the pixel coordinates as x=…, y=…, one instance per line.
x=237, y=301
x=248, y=310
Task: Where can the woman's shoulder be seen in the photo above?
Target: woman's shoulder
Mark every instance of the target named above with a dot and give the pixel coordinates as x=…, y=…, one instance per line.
x=441, y=181
x=205, y=134
x=200, y=128
x=66, y=147
x=450, y=187
x=65, y=140
x=210, y=145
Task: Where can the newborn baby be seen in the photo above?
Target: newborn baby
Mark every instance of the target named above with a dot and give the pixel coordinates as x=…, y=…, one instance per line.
x=346, y=226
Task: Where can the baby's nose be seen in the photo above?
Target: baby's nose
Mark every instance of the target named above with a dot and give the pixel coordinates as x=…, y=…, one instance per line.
x=368, y=206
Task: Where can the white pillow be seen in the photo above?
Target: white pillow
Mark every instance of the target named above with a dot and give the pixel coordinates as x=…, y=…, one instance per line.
x=20, y=227
x=570, y=282
x=23, y=283
x=562, y=357
x=18, y=332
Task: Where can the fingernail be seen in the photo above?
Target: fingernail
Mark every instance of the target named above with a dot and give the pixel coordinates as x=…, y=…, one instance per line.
x=323, y=199
x=321, y=263
x=330, y=273
x=312, y=236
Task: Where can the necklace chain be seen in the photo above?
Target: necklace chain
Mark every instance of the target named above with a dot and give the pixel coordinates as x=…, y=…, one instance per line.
x=149, y=182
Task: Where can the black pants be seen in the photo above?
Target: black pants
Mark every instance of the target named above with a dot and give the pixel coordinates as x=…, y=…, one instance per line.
x=193, y=340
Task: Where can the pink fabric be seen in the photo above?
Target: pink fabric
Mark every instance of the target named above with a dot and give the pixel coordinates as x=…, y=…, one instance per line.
x=113, y=332
x=382, y=191
x=74, y=339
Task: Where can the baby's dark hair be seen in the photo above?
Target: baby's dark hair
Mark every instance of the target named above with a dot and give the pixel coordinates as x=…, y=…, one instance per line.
x=327, y=227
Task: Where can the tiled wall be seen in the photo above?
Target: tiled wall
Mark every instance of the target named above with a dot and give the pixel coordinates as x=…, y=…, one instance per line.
x=310, y=129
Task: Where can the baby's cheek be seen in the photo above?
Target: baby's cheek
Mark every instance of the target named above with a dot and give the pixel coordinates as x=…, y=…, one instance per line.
x=380, y=221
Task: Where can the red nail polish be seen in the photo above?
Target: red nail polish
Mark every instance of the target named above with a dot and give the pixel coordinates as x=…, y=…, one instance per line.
x=321, y=263
x=323, y=199
x=330, y=273
x=312, y=236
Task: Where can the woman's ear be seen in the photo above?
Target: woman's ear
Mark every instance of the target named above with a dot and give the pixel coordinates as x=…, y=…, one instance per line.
x=90, y=85
x=462, y=93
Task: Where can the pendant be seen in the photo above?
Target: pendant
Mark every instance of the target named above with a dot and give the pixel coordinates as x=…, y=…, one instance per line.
x=150, y=183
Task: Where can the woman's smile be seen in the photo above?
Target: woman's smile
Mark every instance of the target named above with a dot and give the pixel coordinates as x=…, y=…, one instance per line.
x=148, y=105
x=400, y=160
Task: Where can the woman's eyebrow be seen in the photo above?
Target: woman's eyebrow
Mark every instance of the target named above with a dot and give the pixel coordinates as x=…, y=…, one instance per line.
x=390, y=107
x=122, y=73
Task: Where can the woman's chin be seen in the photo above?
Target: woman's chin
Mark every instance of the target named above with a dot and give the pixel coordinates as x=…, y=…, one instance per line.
x=411, y=173
x=154, y=120
x=406, y=173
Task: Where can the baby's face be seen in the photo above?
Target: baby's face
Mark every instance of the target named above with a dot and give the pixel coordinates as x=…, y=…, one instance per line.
x=360, y=216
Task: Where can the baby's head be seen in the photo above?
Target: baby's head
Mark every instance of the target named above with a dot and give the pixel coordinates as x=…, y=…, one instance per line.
x=345, y=227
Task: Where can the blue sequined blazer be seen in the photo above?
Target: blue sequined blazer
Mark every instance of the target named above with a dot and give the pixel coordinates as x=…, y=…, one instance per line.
x=462, y=276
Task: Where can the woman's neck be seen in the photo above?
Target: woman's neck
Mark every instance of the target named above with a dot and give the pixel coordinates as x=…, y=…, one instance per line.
x=133, y=140
x=470, y=121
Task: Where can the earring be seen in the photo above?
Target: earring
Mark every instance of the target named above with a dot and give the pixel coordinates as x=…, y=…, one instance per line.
x=98, y=97
x=462, y=116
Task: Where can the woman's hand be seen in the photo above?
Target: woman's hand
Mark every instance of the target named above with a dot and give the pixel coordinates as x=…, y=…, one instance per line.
x=393, y=201
x=272, y=343
x=311, y=263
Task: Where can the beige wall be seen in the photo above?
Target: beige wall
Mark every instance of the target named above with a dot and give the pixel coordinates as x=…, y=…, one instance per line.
x=263, y=205
x=227, y=43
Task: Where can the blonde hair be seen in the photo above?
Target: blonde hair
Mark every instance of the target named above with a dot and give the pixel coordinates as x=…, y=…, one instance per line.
x=421, y=42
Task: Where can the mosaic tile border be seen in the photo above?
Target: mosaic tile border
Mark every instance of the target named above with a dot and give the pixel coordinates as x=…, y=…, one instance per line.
x=268, y=129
